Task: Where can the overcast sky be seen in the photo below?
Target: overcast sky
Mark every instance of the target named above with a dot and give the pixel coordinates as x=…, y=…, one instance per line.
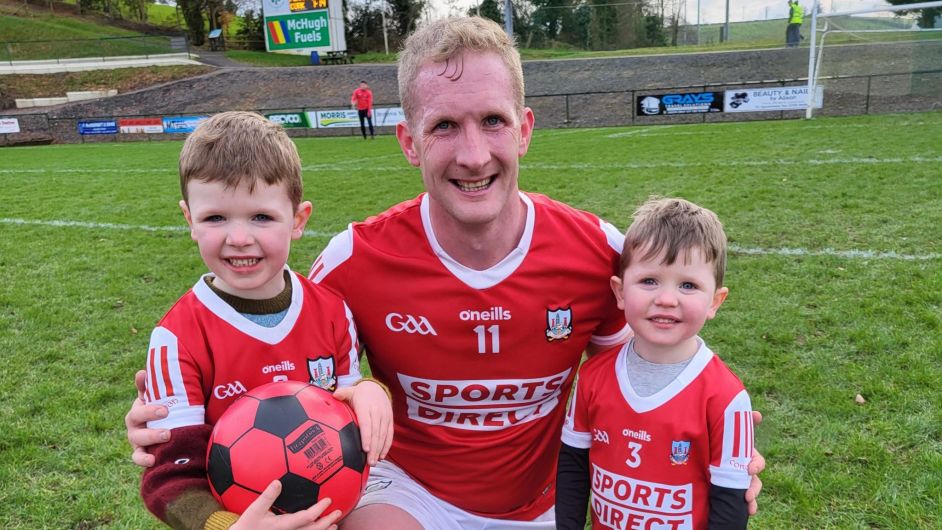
x=711, y=11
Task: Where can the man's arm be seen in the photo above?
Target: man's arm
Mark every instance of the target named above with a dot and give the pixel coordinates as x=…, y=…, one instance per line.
x=139, y=436
x=572, y=488
x=756, y=465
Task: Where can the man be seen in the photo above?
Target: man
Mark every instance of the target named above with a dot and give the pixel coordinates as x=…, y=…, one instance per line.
x=362, y=100
x=795, y=19
x=474, y=301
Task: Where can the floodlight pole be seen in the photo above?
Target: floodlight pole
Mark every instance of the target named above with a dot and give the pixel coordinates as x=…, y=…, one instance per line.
x=726, y=26
x=811, y=68
x=698, y=22
x=508, y=18
x=382, y=13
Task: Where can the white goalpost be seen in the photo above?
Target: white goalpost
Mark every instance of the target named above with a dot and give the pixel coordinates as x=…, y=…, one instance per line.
x=895, y=41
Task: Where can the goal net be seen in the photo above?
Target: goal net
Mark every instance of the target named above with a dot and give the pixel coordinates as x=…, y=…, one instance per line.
x=873, y=60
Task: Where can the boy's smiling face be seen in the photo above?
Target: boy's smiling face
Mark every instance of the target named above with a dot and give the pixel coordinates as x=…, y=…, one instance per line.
x=244, y=238
x=667, y=305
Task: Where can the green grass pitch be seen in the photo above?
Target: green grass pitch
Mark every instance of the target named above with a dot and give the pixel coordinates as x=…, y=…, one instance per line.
x=835, y=290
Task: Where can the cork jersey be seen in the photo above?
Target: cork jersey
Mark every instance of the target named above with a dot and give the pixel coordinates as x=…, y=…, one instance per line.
x=653, y=458
x=204, y=354
x=479, y=362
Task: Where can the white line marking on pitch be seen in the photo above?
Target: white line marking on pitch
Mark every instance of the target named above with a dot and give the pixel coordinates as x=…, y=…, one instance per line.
x=118, y=226
x=738, y=163
x=575, y=166
x=849, y=254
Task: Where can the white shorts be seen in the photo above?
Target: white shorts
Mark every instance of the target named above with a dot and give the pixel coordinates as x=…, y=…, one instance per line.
x=388, y=484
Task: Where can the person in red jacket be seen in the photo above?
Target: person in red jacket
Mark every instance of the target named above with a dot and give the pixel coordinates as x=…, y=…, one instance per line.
x=362, y=100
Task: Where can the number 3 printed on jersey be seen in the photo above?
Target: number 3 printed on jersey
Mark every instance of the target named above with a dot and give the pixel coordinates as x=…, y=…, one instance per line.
x=634, y=455
x=482, y=333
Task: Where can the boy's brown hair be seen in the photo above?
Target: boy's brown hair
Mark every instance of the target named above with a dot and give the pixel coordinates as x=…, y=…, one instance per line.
x=241, y=148
x=444, y=40
x=671, y=226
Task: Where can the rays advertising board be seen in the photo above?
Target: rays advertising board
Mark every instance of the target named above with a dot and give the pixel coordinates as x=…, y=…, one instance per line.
x=680, y=103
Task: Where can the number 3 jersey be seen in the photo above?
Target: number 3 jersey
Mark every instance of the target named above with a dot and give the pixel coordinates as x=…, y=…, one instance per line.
x=480, y=363
x=652, y=459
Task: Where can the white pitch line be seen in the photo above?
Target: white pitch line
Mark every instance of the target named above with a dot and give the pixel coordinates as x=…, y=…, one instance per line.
x=830, y=252
x=754, y=251
x=554, y=166
x=738, y=163
x=118, y=226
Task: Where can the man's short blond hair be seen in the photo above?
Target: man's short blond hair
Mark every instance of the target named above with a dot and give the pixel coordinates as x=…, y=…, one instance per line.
x=445, y=39
x=241, y=148
x=671, y=226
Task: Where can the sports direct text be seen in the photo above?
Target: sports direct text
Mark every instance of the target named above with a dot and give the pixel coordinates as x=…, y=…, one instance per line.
x=476, y=405
x=624, y=503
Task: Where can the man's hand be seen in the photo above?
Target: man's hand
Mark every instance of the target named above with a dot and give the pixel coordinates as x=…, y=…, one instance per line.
x=755, y=467
x=139, y=436
x=374, y=414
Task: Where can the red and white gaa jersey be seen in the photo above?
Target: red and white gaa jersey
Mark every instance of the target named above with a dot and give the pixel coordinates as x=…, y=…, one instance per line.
x=479, y=362
x=204, y=354
x=652, y=459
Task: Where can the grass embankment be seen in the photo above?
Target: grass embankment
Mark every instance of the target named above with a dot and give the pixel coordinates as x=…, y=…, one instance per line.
x=121, y=79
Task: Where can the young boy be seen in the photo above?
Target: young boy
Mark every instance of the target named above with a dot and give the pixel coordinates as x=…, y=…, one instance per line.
x=248, y=322
x=660, y=429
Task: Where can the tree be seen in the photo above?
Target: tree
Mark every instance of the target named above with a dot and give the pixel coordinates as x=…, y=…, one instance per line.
x=927, y=15
x=193, y=18
x=365, y=27
x=405, y=15
x=252, y=30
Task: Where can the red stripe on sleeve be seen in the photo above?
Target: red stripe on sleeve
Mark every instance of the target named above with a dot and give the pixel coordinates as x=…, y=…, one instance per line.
x=315, y=269
x=153, y=390
x=166, y=372
x=750, y=435
x=737, y=433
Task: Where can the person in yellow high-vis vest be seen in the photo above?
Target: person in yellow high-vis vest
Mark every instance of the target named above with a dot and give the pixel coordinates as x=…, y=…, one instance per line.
x=795, y=18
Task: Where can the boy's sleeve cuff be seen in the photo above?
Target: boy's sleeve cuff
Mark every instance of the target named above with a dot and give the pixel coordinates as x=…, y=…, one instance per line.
x=220, y=521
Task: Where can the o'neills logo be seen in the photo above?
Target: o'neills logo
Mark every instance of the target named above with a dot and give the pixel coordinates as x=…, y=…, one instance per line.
x=494, y=313
x=637, y=435
x=283, y=366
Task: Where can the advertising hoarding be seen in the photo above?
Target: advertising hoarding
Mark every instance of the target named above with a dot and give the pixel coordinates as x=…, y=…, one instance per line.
x=9, y=125
x=182, y=124
x=303, y=26
x=679, y=103
x=140, y=125
x=771, y=99
x=98, y=127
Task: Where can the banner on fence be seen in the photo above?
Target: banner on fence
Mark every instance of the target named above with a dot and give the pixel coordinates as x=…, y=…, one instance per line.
x=98, y=127
x=141, y=125
x=290, y=120
x=9, y=125
x=388, y=117
x=686, y=103
x=771, y=99
x=331, y=119
x=182, y=124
